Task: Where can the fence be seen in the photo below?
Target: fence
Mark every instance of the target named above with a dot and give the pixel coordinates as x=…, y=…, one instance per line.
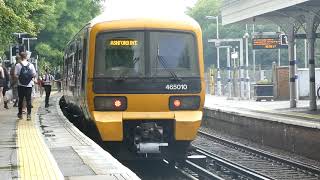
x=235, y=80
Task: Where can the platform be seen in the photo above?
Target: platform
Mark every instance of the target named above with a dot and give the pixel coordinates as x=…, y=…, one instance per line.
x=50, y=147
x=270, y=110
x=269, y=123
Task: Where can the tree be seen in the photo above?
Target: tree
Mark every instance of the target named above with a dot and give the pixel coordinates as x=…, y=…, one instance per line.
x=68, y=18
x=22, y=16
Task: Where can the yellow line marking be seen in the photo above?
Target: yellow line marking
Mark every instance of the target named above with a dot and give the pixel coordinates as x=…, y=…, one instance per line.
x=299, y=114
x=34, y=158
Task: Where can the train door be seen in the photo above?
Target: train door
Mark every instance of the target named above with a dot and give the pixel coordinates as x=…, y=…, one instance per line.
x=83, y=73
x=77, y=69
x=70, y=75
x=65, y=74
x=84, y=62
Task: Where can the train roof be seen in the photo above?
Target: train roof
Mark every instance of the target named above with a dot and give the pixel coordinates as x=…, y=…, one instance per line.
x=138, y=15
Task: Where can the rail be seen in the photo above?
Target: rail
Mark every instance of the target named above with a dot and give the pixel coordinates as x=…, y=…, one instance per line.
x=265, y=160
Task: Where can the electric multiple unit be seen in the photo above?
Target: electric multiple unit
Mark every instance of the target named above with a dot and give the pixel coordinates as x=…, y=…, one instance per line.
x=139, y=81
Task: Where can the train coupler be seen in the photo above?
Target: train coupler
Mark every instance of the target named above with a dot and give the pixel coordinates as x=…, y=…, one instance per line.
x=149, y=138
x=150, y=147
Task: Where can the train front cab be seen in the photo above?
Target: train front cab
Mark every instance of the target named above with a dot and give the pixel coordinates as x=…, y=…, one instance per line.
x=144, y=104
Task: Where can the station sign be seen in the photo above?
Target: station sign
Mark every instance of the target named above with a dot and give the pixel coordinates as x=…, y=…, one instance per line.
x=217, y=43
x=279, y=42
x=234, y=55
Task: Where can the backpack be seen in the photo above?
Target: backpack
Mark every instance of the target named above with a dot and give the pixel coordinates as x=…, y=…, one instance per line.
x=25, y=75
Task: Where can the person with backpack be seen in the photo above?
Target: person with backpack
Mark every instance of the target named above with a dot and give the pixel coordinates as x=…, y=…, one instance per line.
x=47, y=82
x=24, y=71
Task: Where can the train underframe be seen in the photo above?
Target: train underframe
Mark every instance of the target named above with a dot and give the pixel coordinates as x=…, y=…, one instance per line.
x=147, y=139
x=142, y=139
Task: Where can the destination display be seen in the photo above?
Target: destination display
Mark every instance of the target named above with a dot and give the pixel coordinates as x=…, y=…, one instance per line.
x=269, y=43
x=123, y=42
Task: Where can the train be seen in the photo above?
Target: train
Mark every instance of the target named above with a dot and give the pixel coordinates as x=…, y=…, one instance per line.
x=138, y=81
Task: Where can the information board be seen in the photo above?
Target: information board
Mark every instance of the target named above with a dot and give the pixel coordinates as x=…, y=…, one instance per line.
x=268, y=43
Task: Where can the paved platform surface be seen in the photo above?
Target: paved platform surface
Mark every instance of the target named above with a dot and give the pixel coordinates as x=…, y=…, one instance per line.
x=50, y=147
x=8, y=147
x=269, y=110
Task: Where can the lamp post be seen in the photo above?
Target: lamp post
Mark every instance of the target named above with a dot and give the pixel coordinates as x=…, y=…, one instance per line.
x=234, y=56
x=218, y=54
x=246, y=36
x=279, y=50
x=18, y=34
x=10, y=53
x=253, y=58
x=28, y=39
x=240, y=40
x=228, y=68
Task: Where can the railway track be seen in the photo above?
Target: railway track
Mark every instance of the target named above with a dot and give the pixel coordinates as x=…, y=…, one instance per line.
x=209, y=166
x=266, y=164
x=226, y=169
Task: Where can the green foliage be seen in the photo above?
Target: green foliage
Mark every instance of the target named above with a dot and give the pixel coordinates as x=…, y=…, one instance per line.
x=21, y=16
x=47, y=53
x=54, y=22
x=43, y=65
x=68, y=18
x=205, y=8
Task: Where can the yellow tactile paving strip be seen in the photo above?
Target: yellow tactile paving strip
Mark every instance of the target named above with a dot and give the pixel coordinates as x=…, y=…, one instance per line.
x=34, y=158
x=303, y=115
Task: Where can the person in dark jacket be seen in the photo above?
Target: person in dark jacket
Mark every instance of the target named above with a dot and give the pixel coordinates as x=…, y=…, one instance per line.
x=2, y=81
x=5, y=87
x=14, y=84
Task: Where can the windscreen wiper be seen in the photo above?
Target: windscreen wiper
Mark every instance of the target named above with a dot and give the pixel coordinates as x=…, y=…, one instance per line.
x=123, y=75
x=164, y=64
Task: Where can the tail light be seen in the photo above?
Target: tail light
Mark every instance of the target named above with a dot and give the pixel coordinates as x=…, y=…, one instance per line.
x=177, y=103
x=184, y=103
x=117, y=103
x=110, y=103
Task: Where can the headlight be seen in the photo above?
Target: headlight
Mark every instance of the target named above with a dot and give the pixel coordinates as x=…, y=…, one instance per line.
x=184, y=103
x=106, y=103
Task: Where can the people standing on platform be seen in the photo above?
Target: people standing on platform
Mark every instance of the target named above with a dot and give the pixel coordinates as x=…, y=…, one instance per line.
x=47, y=83
x=40, y=84
x=33, y=92
x=5, y=87
x=14, y=84
x=24, y=71
x=58, y=80
x=2, y=81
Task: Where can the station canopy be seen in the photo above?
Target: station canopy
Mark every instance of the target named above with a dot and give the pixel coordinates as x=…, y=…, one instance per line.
x=251, y=11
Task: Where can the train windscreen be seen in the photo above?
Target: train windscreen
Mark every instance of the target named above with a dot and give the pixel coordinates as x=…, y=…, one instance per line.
x=146, y=54
x=120, y=53
x=173, y=53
